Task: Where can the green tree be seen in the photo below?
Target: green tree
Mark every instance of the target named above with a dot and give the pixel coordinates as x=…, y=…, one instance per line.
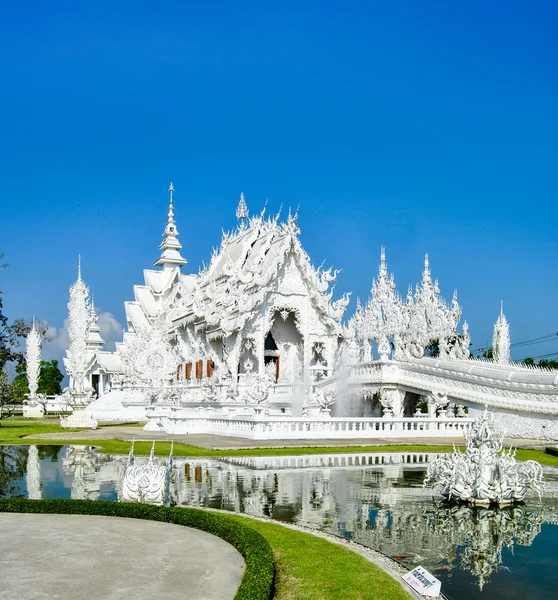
x=549, y=364
x=20, y=385
x=49, y=384
x=5, y=394
x=50, y=378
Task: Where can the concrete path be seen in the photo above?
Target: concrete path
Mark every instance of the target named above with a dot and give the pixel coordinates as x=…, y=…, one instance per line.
x=223, y=442
x=74, y=557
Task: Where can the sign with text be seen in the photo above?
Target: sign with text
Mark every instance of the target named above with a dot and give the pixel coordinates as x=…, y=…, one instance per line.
x=423, y=582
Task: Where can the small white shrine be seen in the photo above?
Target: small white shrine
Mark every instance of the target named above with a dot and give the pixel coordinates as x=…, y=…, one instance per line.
x=254, y=346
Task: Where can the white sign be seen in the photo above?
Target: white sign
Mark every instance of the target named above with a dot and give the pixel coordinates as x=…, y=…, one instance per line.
x=423, y=582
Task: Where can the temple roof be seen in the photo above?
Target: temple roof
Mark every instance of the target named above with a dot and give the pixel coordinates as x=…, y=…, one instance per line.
x=245, y=269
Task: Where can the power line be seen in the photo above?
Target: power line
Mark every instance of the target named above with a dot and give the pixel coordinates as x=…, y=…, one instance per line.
x=538, y=340
x=541, y=355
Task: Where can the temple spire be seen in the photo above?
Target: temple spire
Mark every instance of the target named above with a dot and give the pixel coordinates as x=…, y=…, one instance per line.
x=426, y=275
x=242, y=211
x=383, y=266
x=170, y=257
x=79, y=267
x=94, y=339
x=501, y=339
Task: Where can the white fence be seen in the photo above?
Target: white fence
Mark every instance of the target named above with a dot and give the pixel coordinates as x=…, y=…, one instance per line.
x=279, y=428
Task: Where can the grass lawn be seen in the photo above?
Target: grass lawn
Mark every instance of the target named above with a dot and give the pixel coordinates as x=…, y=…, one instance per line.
x=309, y=567
x=12, y=432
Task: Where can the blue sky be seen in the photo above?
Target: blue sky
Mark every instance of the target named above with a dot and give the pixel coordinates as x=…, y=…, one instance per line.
x=420, y=126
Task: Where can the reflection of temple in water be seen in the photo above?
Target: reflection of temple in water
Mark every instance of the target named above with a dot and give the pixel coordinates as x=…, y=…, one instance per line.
x=96, y=475
x=375, y=499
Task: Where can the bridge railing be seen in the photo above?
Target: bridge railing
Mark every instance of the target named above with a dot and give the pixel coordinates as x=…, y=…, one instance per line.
x=262, y=427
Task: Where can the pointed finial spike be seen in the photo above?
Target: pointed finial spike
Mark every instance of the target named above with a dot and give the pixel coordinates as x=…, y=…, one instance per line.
x=242, y=211
x=79, y=267
x=501, y=308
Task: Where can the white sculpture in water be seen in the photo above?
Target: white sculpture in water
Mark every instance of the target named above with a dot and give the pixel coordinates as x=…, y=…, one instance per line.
x=484, y=474
x=501, y=339
x=146, y=483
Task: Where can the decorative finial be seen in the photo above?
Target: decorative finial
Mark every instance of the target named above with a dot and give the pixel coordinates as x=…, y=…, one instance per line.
x=383, y=267
x=501, y=308
x=426, y=276
x=242, y=211
x=171, y=225
x=170, y=245
x=79, y=267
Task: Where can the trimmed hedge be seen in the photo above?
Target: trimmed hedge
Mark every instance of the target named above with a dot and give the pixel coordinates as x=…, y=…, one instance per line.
x=257, y=583
x=553, y=451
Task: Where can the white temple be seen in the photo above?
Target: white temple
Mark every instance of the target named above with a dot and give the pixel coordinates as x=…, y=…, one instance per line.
x=254, y=346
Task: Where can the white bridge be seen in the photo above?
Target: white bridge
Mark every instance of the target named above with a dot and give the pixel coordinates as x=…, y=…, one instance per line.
x=523, y=399
x=383, y=396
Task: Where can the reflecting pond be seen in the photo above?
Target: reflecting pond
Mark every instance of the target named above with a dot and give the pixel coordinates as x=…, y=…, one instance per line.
x=375, y=499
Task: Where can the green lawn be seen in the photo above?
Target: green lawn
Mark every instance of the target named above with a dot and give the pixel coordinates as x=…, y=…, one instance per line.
x=311, y=568
x=13, y=432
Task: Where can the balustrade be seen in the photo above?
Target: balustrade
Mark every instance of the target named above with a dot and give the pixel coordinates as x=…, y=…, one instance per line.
x=264, y=427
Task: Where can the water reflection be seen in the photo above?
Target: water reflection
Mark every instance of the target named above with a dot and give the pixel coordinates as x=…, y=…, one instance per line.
x=484, y=532
x=375, y=499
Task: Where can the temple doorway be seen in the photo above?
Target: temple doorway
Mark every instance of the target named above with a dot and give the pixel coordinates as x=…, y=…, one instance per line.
x=289, y=344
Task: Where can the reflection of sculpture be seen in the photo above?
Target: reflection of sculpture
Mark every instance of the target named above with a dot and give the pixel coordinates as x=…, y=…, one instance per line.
x=146, y=483
x=482, y=475
x=33, y=476
x=484, y=532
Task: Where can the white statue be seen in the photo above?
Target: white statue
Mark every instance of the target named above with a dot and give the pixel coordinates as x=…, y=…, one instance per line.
x=483, y=474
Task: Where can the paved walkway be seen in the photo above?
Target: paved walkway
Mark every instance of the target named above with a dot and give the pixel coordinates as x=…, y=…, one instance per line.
x=223, y=442
x=71, y=557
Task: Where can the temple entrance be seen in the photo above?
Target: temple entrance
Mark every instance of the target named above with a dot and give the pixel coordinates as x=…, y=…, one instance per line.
x=271, y=358
x=289, y=344
x=95, y=384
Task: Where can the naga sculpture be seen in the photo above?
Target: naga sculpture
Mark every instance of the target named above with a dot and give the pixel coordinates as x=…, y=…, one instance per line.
x=484, y=473
x=146, y=483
